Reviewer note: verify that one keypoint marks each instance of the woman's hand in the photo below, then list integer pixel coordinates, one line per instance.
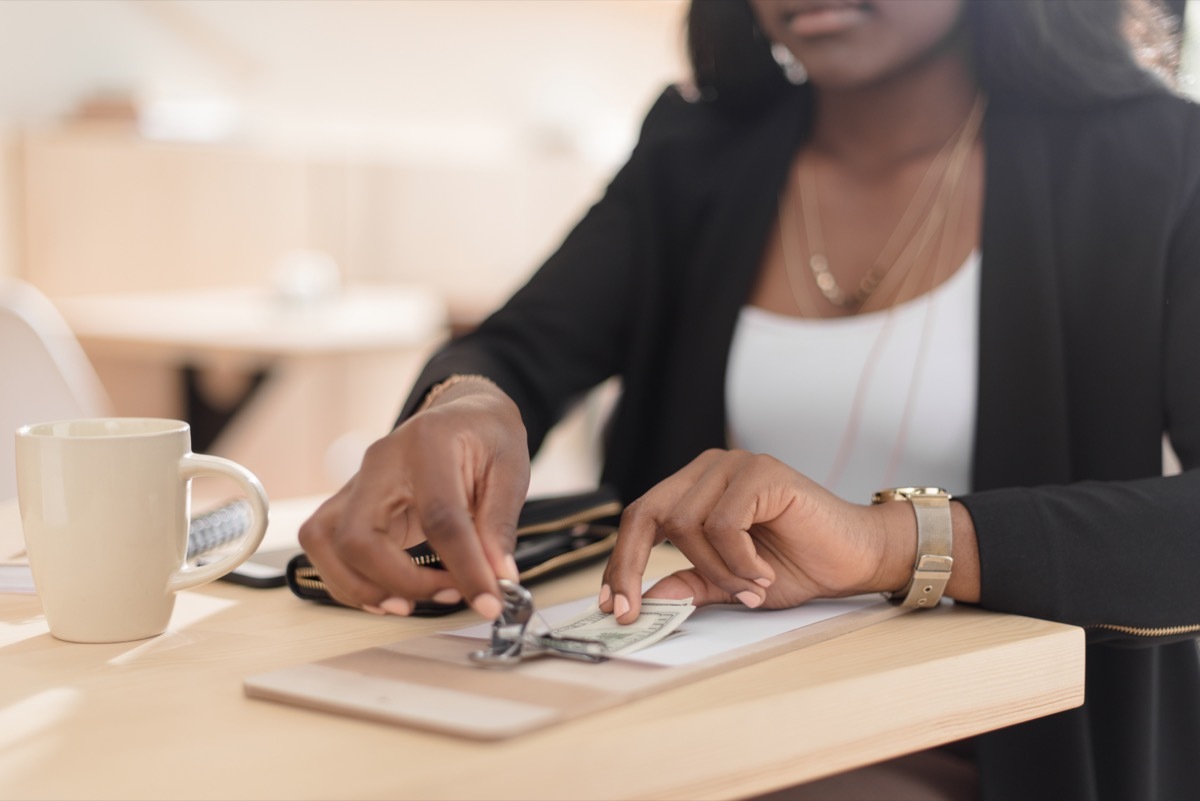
(456, 474)
(758, 533)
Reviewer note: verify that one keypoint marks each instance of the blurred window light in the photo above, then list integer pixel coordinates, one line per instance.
(205, 119)
(1189, 71)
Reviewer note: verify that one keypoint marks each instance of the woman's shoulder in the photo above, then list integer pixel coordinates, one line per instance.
(1161, 112)
(682, 115)
(1155, 136)
(692, 157)
(1155, 118)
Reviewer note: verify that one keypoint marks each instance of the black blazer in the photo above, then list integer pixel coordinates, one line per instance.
(1089, 351)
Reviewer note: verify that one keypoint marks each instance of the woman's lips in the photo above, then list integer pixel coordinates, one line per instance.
(826, 18)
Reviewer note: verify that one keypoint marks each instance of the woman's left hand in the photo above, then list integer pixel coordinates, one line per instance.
(758, 533)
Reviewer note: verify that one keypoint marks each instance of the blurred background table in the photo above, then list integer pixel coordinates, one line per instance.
(294, 390)
(257, 322)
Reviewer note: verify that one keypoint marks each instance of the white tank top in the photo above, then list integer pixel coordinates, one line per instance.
(863, 402)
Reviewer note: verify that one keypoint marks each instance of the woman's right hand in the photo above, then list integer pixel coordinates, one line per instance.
(455, 474)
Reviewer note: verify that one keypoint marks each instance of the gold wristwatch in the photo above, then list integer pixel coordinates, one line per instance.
(931, 571)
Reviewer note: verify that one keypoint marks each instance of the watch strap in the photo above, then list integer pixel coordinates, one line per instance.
(933, 564)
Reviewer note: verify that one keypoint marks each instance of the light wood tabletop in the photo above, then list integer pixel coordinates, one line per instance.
(166, 718)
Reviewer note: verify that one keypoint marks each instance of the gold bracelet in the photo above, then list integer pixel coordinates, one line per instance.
(438, 389)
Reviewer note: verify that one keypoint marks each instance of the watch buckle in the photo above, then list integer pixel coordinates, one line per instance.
(931, 566)
(929, 580)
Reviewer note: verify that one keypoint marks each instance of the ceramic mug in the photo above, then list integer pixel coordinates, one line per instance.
(105, 511)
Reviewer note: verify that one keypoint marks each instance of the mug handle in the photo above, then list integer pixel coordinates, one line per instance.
(196, 464)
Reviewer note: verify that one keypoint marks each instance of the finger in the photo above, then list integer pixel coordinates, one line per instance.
(500, 500)
(725, 556)
(366, 540)
(758, 494)
(639, 532)
(684, 584)
(376, 568)
(343, 583)
(443, 513)
(620, 593)
(729, 521)
(725, 553)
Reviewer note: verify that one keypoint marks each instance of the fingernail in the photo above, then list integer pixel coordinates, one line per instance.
(447, 596)
(749, 599)
(510, 568)
(763, 582)
(620, 606)
(374, 610)
(487, 605)
(397, 606)
(605, 594)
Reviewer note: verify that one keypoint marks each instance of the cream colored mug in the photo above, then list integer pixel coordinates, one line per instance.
(105, 511)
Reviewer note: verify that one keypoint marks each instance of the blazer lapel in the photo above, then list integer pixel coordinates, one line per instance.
(728, 262)
(1022, 435)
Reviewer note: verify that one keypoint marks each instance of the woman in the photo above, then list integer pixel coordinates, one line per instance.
(970, 224)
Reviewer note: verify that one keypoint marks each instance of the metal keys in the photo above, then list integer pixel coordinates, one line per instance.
(512, 641)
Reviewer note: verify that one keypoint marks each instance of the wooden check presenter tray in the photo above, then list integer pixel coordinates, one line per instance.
(428, 682)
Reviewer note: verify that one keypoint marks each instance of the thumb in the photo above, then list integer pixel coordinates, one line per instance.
(689, 584)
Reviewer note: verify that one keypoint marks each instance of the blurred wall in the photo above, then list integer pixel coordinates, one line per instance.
(9, 204)
(444, 141)
(1190, 57)
(157, 144)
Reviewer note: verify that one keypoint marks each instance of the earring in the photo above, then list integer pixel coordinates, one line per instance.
(793, 70)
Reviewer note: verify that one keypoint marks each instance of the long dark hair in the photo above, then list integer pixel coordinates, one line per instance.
(1064, 53)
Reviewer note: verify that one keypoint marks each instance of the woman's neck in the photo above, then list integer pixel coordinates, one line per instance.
(884, 126)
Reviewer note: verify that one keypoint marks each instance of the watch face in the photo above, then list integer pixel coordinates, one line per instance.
(908, 493)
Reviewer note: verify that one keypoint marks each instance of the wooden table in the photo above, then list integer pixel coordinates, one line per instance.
(166, 718)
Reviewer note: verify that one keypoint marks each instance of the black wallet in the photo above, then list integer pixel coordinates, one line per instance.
(555, 534)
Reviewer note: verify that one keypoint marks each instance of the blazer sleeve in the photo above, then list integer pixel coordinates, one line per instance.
(1121, 559)
(567, 329)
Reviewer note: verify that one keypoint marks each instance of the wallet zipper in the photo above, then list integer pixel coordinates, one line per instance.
(1171, 631)
(309, 577)
(426, 559)
(591, 549)
(582, 516)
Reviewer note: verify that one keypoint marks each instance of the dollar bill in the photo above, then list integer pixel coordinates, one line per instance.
(659, 618)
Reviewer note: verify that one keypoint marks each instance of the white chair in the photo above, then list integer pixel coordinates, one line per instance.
(44, 373)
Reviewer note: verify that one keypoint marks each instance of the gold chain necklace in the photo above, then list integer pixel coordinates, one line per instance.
(935, 233)
(950, 199)
(912, 227)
